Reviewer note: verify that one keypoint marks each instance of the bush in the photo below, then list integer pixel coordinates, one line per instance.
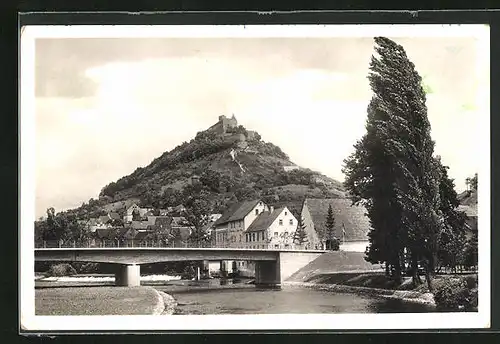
(456, 294)
(59, 270)
(188, 273)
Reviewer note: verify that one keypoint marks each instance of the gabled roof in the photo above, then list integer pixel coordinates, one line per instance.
(237, 212)
(264, 220)
(352, 217)
(139, 224)
(126, 232)
(114, 216)
(106, 233)
(163, 220)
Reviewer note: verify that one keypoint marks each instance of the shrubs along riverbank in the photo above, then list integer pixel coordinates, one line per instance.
(451, 292)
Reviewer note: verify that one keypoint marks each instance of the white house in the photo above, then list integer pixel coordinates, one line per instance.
(231, 226)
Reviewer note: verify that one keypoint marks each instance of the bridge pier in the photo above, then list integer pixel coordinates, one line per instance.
(128, 275)
(267, 274)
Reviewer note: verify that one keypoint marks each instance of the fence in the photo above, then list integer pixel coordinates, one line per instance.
(118, 243)
(142, 243)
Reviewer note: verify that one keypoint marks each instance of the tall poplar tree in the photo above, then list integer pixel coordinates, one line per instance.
(392, 171)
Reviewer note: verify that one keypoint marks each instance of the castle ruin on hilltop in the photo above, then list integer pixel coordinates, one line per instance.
(223, 124)
(225, 127)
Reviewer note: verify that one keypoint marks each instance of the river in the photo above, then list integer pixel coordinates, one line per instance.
(210, 297)
(249, 300)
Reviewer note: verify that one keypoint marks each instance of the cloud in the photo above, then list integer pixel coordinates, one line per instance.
(307, 96)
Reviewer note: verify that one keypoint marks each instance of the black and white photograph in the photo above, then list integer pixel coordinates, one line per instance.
(255, 177)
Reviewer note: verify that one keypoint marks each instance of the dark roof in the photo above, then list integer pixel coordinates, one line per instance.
(264, 220)
(352, 217)
(163, 220)
(236, 212)
(106, 233)
(126, 232)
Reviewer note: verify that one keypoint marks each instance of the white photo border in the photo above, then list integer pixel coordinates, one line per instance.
(400, 321)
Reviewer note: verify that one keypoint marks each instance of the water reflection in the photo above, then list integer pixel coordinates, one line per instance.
(246, 299)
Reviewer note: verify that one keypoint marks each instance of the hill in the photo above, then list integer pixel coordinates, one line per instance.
(228, 163)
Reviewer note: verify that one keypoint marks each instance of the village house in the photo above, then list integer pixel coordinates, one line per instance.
(231, 226)
(471, 219)
(104, 237)
(125, 236)
(273, 229)
(94, 224)
(351, 224)
(134, 210)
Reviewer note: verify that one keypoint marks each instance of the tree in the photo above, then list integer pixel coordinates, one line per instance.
(452, 236)
(300, 235)
(392, 171)
(330, 229)
(197, 214)
(136, 215)
(471, 252)
(473, 182)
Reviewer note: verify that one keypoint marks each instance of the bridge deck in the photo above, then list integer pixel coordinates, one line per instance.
(147, 255)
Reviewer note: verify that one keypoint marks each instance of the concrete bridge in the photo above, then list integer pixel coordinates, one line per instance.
(271, 266)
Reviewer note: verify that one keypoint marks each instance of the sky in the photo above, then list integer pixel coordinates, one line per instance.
(105, 106)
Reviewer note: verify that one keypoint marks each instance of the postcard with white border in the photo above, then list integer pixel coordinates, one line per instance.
(285, 177)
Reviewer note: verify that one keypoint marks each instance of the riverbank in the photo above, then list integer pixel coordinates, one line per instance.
(403, 295)
(104, 300)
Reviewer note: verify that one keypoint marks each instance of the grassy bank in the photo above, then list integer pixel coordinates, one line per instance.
(451, 292)
(97, 301)
(349, 272)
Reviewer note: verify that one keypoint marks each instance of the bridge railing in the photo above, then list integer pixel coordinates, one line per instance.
(109, 243)
(119, 243)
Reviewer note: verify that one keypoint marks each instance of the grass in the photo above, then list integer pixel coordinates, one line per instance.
(334, 263)
(96, 301)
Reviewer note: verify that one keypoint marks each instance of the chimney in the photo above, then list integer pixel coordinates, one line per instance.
(271, 208)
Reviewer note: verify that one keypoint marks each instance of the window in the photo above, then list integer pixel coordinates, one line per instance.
(291, 221)
(253, 236)
(256, 211)
(258, 235)
(276, 246)
(286, 213)
(281, 222)
(275, 234)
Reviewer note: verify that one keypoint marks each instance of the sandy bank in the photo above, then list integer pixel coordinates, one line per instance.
(98, 301)
(168, 302)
